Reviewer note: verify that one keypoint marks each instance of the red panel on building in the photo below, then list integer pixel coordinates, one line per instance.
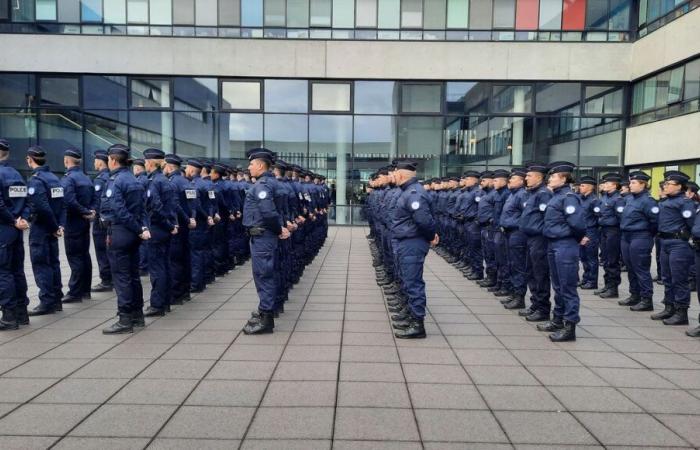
(574, 16)
(527, 14)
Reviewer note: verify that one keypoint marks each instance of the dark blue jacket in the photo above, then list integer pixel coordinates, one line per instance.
(487, 203)
(591, 210)
(676, 214)
(259, 209)
(564, 216)
(640, 213)
(412, 216)
(45, 196)
(13, 199)
(161, 203)
(532, 218)
(500, 196)
(513, 209)
(186, 205)
(122, 201)
(78, 194)
(99, 184)
(611, 206)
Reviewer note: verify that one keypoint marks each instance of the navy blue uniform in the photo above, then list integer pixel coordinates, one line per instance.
(473, 231)
(676, 219)
(589, 252)
(143, 251)
(413, 227)
(638, 223)
(532, 223)
(485, 218)
(99, 232)
(516, 240)
(122, 212)
(199, 240)
(78, 194)
(611, 206)
(500, 241)
(185, 208)
(45, 196)
(264, 224)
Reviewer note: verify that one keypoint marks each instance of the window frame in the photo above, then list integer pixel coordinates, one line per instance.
(310, 91)
(39, 97)
(261, 100)
(401, 84)
(171, 100)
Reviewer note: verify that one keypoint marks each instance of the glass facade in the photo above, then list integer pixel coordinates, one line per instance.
(653, 14)
(453, 20)
(342, 129)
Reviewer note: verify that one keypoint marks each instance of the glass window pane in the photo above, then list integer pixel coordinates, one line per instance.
(59, 129)
(320, 13)
(692, 80)
(512, 99)
(597, 14)
(366, 13)
(17, 90)
(102, 129)
(137, 11)
(504, 13)
(412, 14)
(330, 152)
(620, 14)
(662, 83)
(104, 92)
(675, 86)
(238, 133)
(375, 137)
(298, 13)
(161, 12)
(196, 135)
(19, 128)
(463, 96)
(550, 14)
(230, 12)
(147, 93)
(5, 9)
(604, 99)
(251, 13)
(286, 96)
(480, 15)
(649, 93)
(574, 16)
(419, 137)
(240, 95)
(510, 140)
(92, 11)
(115, 11)
(376, 97)
(457, 13)
(45, 9)
(59, 91)
(287, 133)
(23, 10)
(527, 16)
(205, 13)
(68, 11)
(199, 94)
(330, 96)
(421, 98)
(389, 13)
(434, 14)
(600, 148)
(557, 139)
(343, 13)
(150, 129)
(274, 13)
(559, 98)
(183, 12)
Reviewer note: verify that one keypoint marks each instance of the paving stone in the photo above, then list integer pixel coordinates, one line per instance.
(27, 442)
(375, 445)
(311, 353)
(373, 394)
(292, 423)
(40, 368)
(154, 392)
(459, 426)
(74, 390)
(208, 422)
(189, 444)
(664, 401)
(285, 444)
(177, 369)
(42, 420)
(17, 390)
(628, 429)
(523, 398)
(300, 393)
(359, 371)
(445, 396)
(484, 357)
(566, 376)
(371, 354)
(371, 424)
(603, 399)
(684, 425)
(124, 421)
(71, 443)
(502, 375)
(543, 428)
(632, 378)
(112, 368)
(545, 358)
(227, 393)
(306, 371)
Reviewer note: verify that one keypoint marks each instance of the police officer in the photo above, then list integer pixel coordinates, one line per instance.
(264, 225)
(564, 227)
(414, 229)
(611, 205)
(638, 223)
(13, 221)
(591, 241)
(516, 240)
(78, 193)
(123, 213)
(99, 233)
(532, 223)
(48, 215)
(485, 218)
(204, 219)
(473, 229)
(139, 170)
(695, 332)
(464, 214)
(500, 193)
(676, 219)
(162, 223)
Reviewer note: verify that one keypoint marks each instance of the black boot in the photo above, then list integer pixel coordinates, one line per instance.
(153, 312)
(680, 317)
(565, 334)
(9, 320)
(402, 315)
(645, 304)
(121, 326)
(632, 300)
(261, 323)
(42, 310)
(557, 323)
(694, 332)
(502, 293)
(610, 293)
(415, 330)
(516, 302)
(668, 311)
(538, 316)
(396, 309)
(22, 315)
(68, 298)
(102, 287)
(600, 291)
(588, 286)
(526, 312)
(137, 319)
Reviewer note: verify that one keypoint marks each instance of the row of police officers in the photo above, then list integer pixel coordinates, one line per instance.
(184, 222)
(534, 228)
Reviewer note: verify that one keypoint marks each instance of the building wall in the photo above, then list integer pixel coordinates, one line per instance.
(672, 139)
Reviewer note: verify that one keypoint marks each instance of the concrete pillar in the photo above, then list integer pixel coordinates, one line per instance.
(516, 150)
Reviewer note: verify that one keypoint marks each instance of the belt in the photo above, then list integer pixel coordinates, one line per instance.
(682, 235)
(256, 231)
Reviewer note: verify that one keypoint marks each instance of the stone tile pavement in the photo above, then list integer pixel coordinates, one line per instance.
(333, 376)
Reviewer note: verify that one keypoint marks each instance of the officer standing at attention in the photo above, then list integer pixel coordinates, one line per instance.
(413, 228)
(48, 214)
(676, 220)
(162, 223)
(500, 193)
(516, 240)
(13, 221)
(139, 168)
(611, 205)
(485, 218)
(203, 220)
(264, 225)
(122, 211)
(78, 197)
(564, 227)
(99, 233)
(591, 241)
(638, 223)
(695, 332)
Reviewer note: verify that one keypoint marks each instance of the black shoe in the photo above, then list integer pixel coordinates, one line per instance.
(143, 273)
(8, 320)
(565, 334)
(102, 287)
(505, 300)
(401, 324)
(667, 312)
(263, 323)
(71, 299)
(415, 330)
(153, 312)
(391, 291)
(600, 291)
(186, 297)
(121, 326)
(196, 290)
(526, 312)
(138, 320)
(396, 309)
(588, 286)
(474, 277)
(22, 315)
(551, 325)
(610, 293)
(632, 300)
(402, 315)
(645, 304)
(42, 310)
(502, 293)
(694, 332)
(679, 317)
(538, 316)
(515, 303)
(58, 306)
(176, 301)
(493, 289)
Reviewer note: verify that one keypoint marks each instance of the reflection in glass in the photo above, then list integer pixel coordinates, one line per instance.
(504, 13)
(230, 13)
(286, 96)
(287, 134)
(149, 93)
(511, 99)
(239, 132)
(183, 12)
(196, 94)
(102, 129)
(240, 95)
(411, 14)
(206, 13)
(330, 150)
(91, 10)
(151, 129)
(620, 14)
(692, 80)
(557, 139)
(480, 14)
(457, 13)
(68, 11)
(17, 90)
(320, 13)
(434, 15)
(251, 13)
(104, 92)
(375, 138)
(137, 11)
(45, 9)
(597, 14)
(389, 13)
(115, 11)
(510, 140)
(298, 13)
(343, 13)
(59, 129)
(559, 98)
(421, 138)
(604, 100)
(600, 147)
(456, 95)
(366, 13)
(274, 13)
(421, 98)
(161, 12)
(376, 97)
(330, 96)
(550, 14)
(62, 91)
(196, 134)
(19, 129)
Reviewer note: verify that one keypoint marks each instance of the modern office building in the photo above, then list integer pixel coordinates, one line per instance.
(344, 86)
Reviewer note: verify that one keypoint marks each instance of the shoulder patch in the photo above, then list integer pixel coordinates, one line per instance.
(477, 199)
(17, 191)
(98, 187)
(596, 209)
(654, 209)
(30, 191)
(415, 206)
(687, 213)
(57, 192)
(108, 193)
(543, 206)
(262, 195)
(620, 209)
(570, 209)
(148, 193)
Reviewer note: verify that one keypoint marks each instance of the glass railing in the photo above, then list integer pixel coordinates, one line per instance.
(347, 215)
